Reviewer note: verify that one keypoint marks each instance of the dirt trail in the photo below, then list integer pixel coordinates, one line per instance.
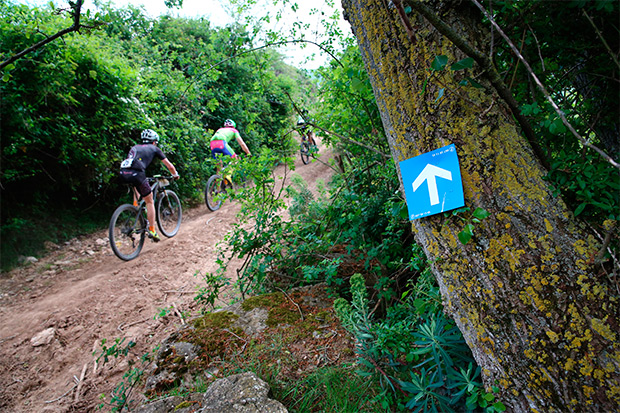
(86, 294)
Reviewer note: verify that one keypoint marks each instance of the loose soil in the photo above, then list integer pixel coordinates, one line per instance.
(86, 294)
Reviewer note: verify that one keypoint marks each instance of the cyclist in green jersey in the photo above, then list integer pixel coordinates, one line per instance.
(221, 138)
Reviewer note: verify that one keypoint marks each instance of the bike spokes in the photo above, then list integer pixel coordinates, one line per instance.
(127, 231)
(169, 214)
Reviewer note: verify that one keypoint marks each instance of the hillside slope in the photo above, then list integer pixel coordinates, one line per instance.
(82, 293)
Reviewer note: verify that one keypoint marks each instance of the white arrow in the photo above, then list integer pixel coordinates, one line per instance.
(429, 174)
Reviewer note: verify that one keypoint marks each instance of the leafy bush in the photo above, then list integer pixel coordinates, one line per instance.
(72, 109)
(415, 351)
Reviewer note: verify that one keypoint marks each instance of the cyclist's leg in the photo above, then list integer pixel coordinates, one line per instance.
(219, 149)
(311, 138)
(150, 215)
(136, 196)
(145, 191)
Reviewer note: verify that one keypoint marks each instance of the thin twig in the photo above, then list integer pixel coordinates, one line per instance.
(544, 91)
(58, 398)
(176, 310)
(95, 364)
(598, 33)
(79, 387)
(291, 300)
(245, 342)
(121, 325)
(7, 339)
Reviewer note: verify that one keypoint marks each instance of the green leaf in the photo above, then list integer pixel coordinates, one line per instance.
(466, 63)
(424, 87)
(440, 94)
(499, 406)
(557, 127)
(469, 80)
(357, 85)
(481, 213)
(580, 208)
(439, 63)
(464, 237)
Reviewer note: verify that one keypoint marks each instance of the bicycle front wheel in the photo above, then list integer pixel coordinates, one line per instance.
(305, 152)
(169, 213)
(127, 232)
(215, 190)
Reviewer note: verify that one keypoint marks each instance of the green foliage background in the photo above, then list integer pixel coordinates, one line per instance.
(71, 110)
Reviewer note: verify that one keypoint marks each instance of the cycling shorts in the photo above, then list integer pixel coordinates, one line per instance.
(137, 179)
(221, 148)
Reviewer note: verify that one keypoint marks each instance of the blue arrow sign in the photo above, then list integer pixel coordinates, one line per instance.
(432, 182)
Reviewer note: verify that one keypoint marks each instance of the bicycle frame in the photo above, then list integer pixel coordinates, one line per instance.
(156, 188)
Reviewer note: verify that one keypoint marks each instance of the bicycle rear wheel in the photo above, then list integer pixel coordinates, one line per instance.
(169, 213)
(127, 232)
(304, 151)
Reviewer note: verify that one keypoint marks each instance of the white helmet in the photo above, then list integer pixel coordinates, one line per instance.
(230, 122)
(149, 135)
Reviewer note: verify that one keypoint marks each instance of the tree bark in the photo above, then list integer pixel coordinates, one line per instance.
(540, 317)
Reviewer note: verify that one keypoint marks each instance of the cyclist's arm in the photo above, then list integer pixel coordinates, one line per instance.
(243, 145)
(170, 167)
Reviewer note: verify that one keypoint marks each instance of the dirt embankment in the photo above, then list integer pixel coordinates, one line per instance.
(81, 293)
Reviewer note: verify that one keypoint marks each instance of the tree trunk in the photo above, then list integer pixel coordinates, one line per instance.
(540, 317)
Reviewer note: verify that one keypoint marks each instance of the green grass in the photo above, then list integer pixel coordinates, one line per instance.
(329, 389)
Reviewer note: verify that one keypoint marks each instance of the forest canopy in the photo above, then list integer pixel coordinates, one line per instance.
(71, 109)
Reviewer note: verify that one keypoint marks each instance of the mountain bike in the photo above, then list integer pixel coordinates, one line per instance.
(129, 226)
(217, 185)
(308, 145)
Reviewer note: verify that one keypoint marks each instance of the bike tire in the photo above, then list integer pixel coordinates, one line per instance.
(169, 213)
(304, 151)
(127, 231)
(212, 192)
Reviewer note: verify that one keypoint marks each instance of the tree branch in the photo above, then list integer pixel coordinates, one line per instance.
(281, 43)
(600, 35)
(541, 87)
(492, 74)
(74, 28)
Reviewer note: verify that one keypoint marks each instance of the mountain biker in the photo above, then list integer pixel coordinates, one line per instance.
(302, 126)
(221, 138)
(133, 172)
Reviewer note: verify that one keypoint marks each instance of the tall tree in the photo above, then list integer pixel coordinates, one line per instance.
(538, 312)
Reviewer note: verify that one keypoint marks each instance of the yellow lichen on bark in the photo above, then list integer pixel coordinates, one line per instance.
(523, 290)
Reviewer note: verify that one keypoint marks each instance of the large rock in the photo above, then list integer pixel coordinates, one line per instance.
(241, 393)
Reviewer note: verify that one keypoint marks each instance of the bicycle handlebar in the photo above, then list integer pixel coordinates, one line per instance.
(155, 177)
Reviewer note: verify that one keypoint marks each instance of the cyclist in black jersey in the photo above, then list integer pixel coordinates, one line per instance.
(133, 172)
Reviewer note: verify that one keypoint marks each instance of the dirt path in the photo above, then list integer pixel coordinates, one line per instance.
(85, 294)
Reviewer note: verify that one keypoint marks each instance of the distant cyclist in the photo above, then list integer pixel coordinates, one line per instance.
(133, 172)
(303, 126)
(221, 138)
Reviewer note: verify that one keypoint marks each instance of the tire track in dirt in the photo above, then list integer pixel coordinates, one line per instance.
(85, 294)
